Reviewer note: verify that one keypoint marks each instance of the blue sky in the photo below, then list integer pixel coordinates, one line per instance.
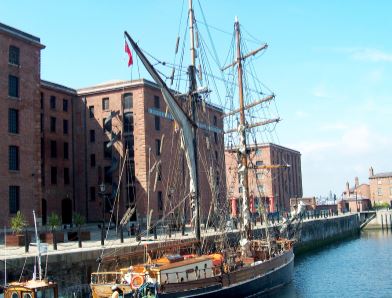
(328, 62)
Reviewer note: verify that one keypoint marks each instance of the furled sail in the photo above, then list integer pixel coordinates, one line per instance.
(177, 112)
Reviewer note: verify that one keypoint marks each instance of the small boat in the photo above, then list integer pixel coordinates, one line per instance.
(31, 289)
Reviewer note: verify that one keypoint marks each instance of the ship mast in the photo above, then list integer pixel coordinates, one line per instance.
(193, 97)
(243, 167)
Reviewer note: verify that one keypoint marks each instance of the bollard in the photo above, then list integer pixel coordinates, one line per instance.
(155, 233)
(121, 234)
(102, 236)
(79, 238)
(54, 241)
(27, 242)
(138, 236)
(183, 229)
(382, 223)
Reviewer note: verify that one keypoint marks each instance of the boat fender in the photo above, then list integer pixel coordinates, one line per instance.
(137, 281)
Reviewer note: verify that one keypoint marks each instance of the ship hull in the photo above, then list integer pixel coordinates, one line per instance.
(267, 279)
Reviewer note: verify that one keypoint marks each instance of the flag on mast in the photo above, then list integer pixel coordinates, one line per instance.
(128, 51)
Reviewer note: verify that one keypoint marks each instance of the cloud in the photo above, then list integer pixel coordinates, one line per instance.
(320, 91)
(372, 55)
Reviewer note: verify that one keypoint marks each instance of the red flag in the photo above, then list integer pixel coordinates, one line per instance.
(128, 51)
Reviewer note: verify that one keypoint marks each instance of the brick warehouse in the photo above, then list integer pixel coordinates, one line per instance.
(272, 187)
(59, 154)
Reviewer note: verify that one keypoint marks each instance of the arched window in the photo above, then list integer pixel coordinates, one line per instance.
(128, 122)
(128, 101)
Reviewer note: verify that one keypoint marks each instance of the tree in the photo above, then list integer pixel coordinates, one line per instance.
(18, 223)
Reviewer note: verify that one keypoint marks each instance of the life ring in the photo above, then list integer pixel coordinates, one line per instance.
(137, 281)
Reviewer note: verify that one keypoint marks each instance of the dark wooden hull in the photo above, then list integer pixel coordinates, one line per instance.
(241, 283)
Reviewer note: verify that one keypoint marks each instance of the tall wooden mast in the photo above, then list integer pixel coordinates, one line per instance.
(193, 97)
(243, 167)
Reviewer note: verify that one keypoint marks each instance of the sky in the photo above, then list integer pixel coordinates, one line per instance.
(328, 62)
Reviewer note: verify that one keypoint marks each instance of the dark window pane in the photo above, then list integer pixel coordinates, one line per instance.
(42, 100)
(52, 124)
(128, 122)
(13, 55)
(66, 176)
(13, 86)
(159, 172)
(91, 111)
(108, 175)
(53, 149)
(13, 158)
(92, 136)
(215, 120)
(92, 193)
(92, 160)
(129, 144)
(13, 121)
(53, 102)
(107, 152)
(128, 101)
(65, 126)
(160, 200)
(157, 123)
(53, 175)
(13, 197)
(42, 122)
(65, 105)
(157, 103)
(66, 150)
(158, 147)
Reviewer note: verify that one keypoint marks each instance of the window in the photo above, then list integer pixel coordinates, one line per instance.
(13, 158)
(52, 124)
(65, 126)
(53, 175)
(66, 155)
(216, 137)
(259, 176)
(107, 152)
(160, 200)
(92, 160)
(157, 103)
(129, 144)
(92, 136)
(260, 188)
(105, 103)
(215, 121)
(13, 196)
(107, 125)
(65, 105)
(157, 123)
(159, 172)
(128, 101)
(379, 191)
(216, 155)
(128, 122)
(259, 163)
(240, 189)
(379, 181)
(108, 175)
(92, 193)
(13, 55)
(13, 86)
(53, 102)
(66, 176)
(53, 149)
(13, 121)
(258, 152)
(157, 147)
(91, 111)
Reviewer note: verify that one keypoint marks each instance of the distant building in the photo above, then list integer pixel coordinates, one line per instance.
(380, 186)
(359, 191)
(272, 187)
(354, 205)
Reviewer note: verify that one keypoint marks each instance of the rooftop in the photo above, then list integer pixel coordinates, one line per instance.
(21, 35)
(382, 175)
(58, 87)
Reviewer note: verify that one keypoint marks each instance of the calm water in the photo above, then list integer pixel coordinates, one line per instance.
(360, 267)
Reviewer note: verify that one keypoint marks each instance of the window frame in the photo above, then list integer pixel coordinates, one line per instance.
(13, 158)
(13, 121)
(13, 86)
(14, 59)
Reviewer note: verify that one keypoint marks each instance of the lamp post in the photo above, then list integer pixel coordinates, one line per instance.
(102, 188)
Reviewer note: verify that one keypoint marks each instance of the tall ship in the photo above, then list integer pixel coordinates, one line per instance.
(219, 265)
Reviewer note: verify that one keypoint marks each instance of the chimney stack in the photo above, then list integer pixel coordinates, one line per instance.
(371, 172)
(347, 190)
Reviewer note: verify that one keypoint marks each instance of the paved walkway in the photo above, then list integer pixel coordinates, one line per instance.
(112, 241)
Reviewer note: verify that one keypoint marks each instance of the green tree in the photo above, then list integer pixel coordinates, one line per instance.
(18, 223)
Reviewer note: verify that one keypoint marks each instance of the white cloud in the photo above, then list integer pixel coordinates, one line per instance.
(373, 55)
(320, 91)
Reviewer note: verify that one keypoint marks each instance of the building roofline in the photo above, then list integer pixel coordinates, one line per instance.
(58, 87)
(261, 145)
(381, 175)
(21, 35)
(120, 85)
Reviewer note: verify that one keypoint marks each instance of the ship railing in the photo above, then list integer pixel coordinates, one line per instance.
(106, 277)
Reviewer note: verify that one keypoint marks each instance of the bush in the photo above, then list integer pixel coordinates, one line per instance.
(18, 223)
(78, 219)
(54, 221)
(381, 205)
